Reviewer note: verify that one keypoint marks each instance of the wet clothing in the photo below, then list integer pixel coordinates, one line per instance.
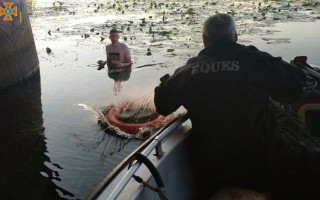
(226, 91)
(120, 74)
(117, 54)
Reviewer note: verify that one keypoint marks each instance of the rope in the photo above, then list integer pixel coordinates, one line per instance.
(159, 190)
(295, 120)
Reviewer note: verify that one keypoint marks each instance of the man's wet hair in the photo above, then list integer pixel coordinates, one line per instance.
(114, 31)
(219, 26)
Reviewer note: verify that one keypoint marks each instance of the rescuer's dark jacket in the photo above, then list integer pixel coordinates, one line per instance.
(226, 91)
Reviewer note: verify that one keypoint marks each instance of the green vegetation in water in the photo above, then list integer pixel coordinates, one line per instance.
(48, 50)
(164, 33)
(143, 22)
(232, 13)
(170, 50)
(311, 3)
(190, 11)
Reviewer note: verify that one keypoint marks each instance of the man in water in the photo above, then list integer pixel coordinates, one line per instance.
(235, 139)
(118, 54)
(119, 75)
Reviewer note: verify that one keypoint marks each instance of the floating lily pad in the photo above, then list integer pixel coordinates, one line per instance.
(170, 50)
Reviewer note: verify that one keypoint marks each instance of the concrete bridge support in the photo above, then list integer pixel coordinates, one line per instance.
(18, 55)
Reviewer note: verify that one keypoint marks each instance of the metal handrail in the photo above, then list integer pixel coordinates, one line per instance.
(124, 181)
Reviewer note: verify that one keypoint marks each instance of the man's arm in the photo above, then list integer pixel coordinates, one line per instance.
(101, 63)
(127, 57)
(171, 92)
(166, 96)
(127, 61)
(290, 84)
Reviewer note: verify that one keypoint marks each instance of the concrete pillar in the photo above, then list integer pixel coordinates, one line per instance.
(18, 55)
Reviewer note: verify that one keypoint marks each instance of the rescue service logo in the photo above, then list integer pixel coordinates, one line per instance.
(8, 11)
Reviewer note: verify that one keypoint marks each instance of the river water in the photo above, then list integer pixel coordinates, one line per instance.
(52, 146)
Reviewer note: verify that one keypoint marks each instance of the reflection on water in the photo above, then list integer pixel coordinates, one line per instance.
(23, 145)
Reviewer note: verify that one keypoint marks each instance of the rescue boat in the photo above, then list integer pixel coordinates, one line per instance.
(160, 169)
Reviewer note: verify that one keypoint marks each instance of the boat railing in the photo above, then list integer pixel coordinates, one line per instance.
(154, 142)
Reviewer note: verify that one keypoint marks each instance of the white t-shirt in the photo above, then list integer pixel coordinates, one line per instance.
(118, 53)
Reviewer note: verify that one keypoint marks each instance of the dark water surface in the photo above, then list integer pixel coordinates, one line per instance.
(51, 145)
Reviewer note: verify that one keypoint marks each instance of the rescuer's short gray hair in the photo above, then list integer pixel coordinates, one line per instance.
(239, 194)
(219, 26)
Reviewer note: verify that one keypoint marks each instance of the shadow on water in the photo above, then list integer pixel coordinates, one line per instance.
(24, 174)
(108, 141)
(110, 145)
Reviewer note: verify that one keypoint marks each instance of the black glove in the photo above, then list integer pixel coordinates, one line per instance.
(164, 78)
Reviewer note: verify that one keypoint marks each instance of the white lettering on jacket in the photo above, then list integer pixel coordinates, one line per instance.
(215, 67)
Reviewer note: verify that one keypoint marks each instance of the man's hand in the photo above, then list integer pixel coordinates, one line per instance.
(101, 63)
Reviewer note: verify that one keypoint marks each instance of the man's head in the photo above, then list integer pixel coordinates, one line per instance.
(217, 27)
(239, 194)
(114, 36)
